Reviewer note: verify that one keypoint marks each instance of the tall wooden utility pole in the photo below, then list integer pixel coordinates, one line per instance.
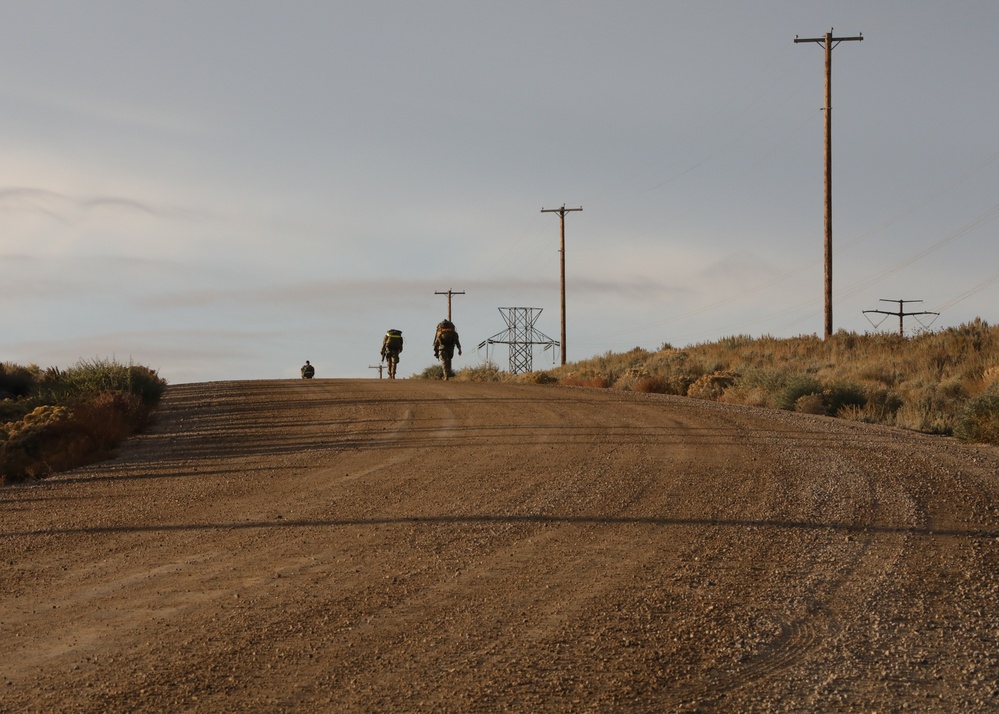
(561, 249)
(828, 40)
(449, 293)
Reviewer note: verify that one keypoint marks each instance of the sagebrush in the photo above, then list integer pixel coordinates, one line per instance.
(52, 420)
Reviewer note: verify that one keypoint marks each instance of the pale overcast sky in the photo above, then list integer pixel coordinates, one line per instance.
(222, 190)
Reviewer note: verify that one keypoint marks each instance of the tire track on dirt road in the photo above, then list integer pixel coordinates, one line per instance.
(366, 545)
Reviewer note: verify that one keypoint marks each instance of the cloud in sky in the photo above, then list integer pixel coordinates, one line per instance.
(223, 190)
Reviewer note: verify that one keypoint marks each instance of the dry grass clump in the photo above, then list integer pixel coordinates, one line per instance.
(485, 372)
(712, 386)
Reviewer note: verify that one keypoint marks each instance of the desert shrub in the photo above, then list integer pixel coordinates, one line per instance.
(64, 419)
(926, 410)
(485, 372)
(91, 377)
(711, 386)
(750, 395)
(765, 378)
(434, 371)
(879, 407)
(17, 381)
(796, 387)
(535, 378)
(111, 417)
(146, 384)
(43, 442)
(679, 382)
(810, 404)
(15, 409)
(878, 372)
(650, 385)
(843, 395)
(978, 421)
(54, 438)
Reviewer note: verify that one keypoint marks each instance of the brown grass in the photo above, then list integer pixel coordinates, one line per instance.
(922, 383)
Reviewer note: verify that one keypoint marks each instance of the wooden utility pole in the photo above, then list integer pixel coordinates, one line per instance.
(828, 41)
(449, 292)
(900, 313)
(561, 249)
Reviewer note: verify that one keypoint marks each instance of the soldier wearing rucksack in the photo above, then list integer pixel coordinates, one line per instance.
(391, 347)
(445, 342)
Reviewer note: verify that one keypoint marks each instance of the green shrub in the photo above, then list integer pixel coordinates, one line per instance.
(979, 419)
(843, 396)
(435, 371)
(801, 385)
(17, 381)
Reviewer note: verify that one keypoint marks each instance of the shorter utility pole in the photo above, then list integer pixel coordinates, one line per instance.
(561, 250)
(379, 367)
(449, 292)
(900, 314)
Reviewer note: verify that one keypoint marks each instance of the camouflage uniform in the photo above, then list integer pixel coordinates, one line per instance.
(391, 347)
(445, 341)
(308, 371)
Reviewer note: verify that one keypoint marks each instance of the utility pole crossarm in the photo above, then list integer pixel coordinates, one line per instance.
(449, 292)
(821, 40)
(901, 313)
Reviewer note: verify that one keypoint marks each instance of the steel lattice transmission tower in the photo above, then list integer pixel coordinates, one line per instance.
(521, 336)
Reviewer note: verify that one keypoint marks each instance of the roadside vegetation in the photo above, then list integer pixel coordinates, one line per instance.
(942, 382)
(53, 420)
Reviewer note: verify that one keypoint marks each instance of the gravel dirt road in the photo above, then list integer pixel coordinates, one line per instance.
(377, 545)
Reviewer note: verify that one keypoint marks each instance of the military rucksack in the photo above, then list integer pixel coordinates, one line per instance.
(393, 340)
(445, 332)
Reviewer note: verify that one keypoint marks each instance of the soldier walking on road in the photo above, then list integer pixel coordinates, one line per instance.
(445, 342)
(391, 347)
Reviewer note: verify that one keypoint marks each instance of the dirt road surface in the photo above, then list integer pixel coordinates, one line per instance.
(387, 546)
